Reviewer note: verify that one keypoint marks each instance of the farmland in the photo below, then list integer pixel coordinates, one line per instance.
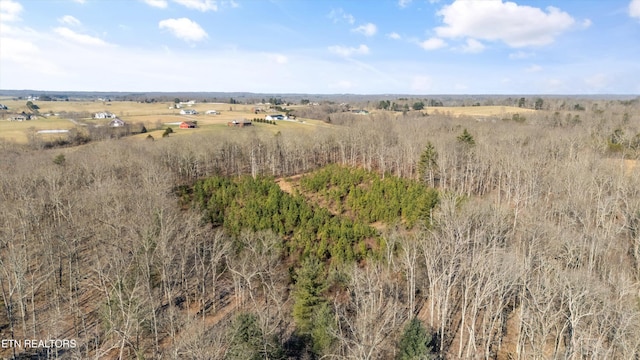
(153, 116)
(72, 114)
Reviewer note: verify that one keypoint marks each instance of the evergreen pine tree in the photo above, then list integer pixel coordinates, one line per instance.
(248, 341)
(428, 164)
(308, 293)
(414, 344)
(466, 138)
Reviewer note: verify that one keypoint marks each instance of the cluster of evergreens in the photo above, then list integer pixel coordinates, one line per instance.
(371, 198)
(261, 120)
(257, 204)
(316, 238)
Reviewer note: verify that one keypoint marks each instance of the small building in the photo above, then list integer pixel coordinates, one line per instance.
(239, 123)
(104, 115)
(19, 117)
(23, 116)
(276, 117)
(116, 123)
(188, 125)
(212, 112)
(3, 107)
(188, 112)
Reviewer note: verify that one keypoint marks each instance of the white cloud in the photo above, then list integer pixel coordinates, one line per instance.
(338, 15)
(533, 68)
(520, 55)
(28, 55)
(433, 44)
(349, 51)
(79, 38)
(200, 5)
(394, 36)
(634, 9)
(69, 20)
(494, 20)
(17, 49)
(162, 4)
(368, 29)
(404, 3)
(184, 29)
(472, 46)
(10, 10)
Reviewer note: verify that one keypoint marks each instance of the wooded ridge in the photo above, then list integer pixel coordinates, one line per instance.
(398, 236)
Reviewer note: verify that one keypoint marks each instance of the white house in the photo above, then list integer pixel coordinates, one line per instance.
(276, 117)
(19, 117)
(188, 112)
(104, 115)
(211, 112)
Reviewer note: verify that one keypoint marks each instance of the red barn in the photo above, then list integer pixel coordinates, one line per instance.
(187, 125)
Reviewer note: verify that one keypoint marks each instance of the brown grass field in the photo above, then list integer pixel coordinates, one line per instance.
(478, 111)
(159, 115)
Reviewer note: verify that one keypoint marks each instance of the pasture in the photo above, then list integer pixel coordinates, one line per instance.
(19, 131)
(155, 116)
(478, 111)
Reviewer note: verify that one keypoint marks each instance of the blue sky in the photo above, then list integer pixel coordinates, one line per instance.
(416, 47)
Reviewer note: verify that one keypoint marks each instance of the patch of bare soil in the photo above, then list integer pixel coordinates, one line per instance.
(286, 185)
(290, 184)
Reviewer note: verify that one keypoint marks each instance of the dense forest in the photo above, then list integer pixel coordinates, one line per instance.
(407, 236)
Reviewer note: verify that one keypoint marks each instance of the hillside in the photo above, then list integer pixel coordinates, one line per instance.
(487, 239)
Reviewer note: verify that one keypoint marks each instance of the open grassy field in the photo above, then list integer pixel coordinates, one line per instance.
(153, 116)
(18, 131)
(121, 108)
(481, 111)
(160, 115)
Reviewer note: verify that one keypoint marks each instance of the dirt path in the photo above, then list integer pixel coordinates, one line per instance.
(286, 185)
